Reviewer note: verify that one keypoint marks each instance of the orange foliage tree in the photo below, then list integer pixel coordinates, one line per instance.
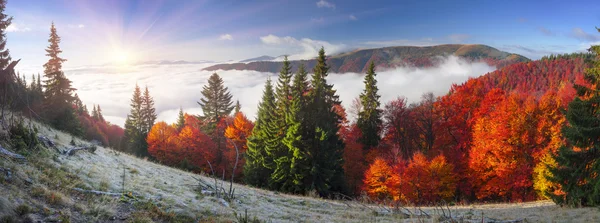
(237, 133)
(162, 143)
(377, 180)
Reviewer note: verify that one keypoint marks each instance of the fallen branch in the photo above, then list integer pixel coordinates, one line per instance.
(9, 154)
(72, 151)
(46, 141)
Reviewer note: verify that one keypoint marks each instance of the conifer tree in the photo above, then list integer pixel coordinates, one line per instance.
(325, 148)
(5, 21)
(148, 112)
(258, 167)
(277, 127)
(58, 98)
(100, 116)
(94, 112)
(293, 166)
(369, 118)
(134, 139)
(215, 102)
(578, 161)
(180, 119)
(238, 106)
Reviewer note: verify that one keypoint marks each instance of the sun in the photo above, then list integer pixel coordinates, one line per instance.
(122, 56)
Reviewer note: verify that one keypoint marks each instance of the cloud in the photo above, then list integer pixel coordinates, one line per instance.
(226, 37)
(15, 28)
(458, 38)
(578, 33)
(546, 32)
(352, 17)
(173, 86)
(325, 4)
(80, 26)
(304, 48)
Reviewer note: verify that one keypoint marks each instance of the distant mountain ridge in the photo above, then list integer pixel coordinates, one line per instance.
(389, 57)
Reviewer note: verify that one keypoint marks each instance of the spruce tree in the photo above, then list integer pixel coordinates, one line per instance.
(5, 21)
(180, 119)
(94, 112)
(216, 101)
(325, 148)
(100, 116)
(238, 107)
(578, 161)
(258, 167)
(134, 139)
(58, 98)
(295, 168)
(279, 126)
(148, 112)
(369, 118)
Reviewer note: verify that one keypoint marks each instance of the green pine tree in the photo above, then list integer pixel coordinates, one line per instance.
(94, 112)
(134, 137)
(294, 166)
(215, 102)
(258, 167)
(238, 107)
(180, 119)
(5, 21)
(577, 169)
(148, 112)
(369, 118)
(100, 116)
(279, 126)
(58, 94)
(325, 146)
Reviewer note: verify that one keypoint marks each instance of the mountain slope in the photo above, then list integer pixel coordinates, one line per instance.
(156, 193)
(389, 57)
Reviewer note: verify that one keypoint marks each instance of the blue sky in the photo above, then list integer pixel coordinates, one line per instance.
(96, 32)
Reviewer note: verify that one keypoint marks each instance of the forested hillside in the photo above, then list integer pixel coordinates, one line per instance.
(389, 57)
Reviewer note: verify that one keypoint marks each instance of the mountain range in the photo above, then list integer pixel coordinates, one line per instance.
(357, 61)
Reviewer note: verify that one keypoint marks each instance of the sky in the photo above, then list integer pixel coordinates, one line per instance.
(102, 41)
(97, 32)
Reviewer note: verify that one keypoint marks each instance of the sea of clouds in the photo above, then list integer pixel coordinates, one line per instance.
(175, 86)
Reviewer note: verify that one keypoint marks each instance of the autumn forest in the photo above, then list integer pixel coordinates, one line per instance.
(510, 135)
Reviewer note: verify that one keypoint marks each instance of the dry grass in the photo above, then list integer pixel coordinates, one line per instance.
(167, 194)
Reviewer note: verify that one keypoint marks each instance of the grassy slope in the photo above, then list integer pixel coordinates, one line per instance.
(167, 194)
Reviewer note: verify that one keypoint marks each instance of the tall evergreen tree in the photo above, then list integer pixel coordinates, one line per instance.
(294, 167)
(5, 21)
(325, 146)
(578, 161)
(215, 102)
(180, 119)
(94, 112)
(258, 166)
(369, 118)
(134, 138)
(58, 98)
(148, 112)
(279, 126)
(100, 116)
(238, 107)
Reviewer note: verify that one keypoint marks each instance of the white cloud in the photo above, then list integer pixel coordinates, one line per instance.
(226, 37)
(582, 35)
(305, 48)
(325, 4)
(458, 38)
(173, 86)
(80, 26)
(15, 28)
(352, 17)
